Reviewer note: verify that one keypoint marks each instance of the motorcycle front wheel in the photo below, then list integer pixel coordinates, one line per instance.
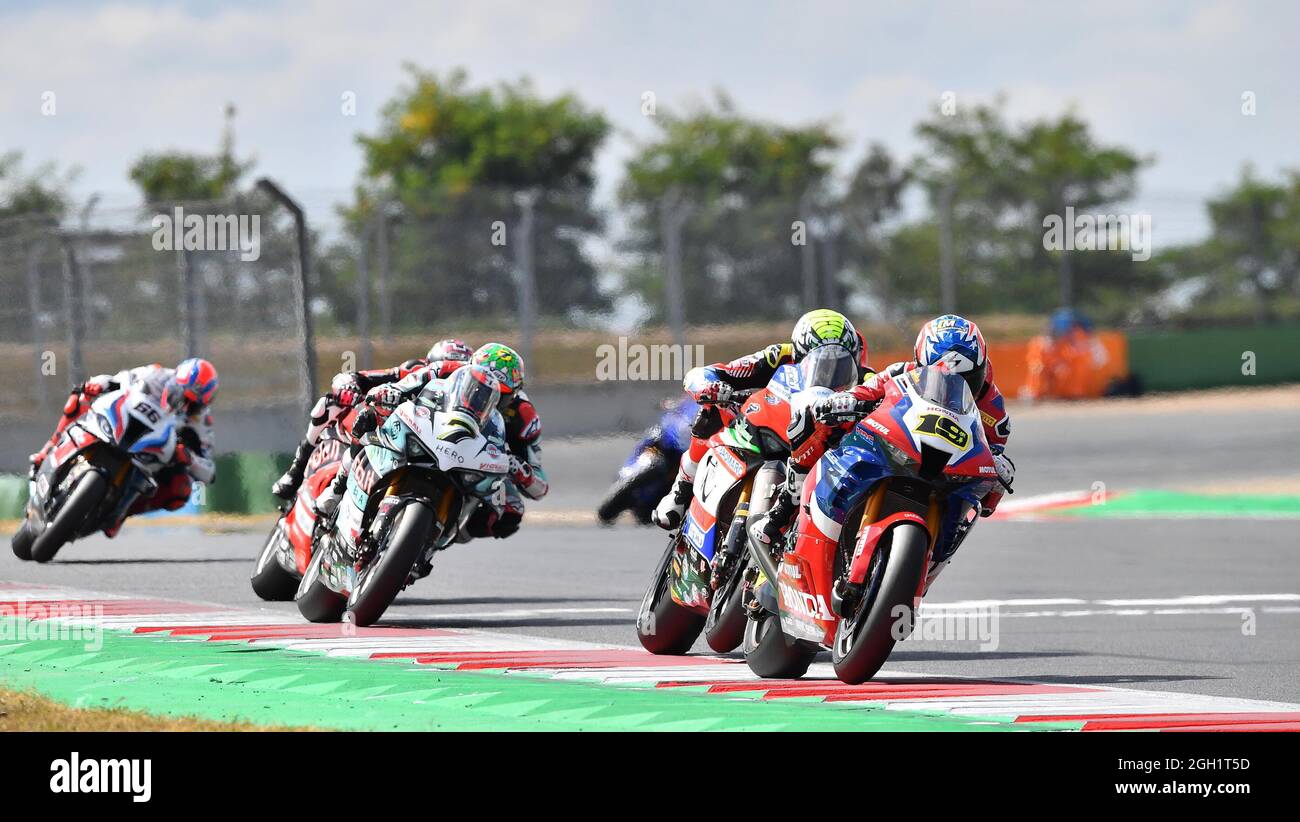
(864, 640)
(82, 501)
(724, 627)
(383, 579)
(624, 493)
(663, 626)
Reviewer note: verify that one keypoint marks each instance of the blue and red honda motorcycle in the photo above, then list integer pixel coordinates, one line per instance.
(882, 514)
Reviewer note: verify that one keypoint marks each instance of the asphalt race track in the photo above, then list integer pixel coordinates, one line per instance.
(1156, 604)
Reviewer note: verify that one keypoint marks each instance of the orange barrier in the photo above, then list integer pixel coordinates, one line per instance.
(1012, 371)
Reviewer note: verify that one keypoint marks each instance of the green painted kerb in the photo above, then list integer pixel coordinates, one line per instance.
(236, 681)
(1158, 504)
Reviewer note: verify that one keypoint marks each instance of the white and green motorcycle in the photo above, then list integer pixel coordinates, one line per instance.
(411, 490)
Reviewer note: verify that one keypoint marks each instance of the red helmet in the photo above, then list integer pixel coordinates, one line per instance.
(193, 386)
(450, 349)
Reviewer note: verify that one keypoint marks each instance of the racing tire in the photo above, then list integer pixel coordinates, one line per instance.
(21, 542)
(773, 655)
(269, 579)
(316, 601)
(84, 498)
(724, 626)
(864, 641)
(384, 578)
(663, 626)
(622, 495)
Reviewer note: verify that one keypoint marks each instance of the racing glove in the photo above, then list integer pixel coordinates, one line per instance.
(386, 396)
(366, 420)
(840, 407)
(1006, 470)
(521, 472)
(714, 392)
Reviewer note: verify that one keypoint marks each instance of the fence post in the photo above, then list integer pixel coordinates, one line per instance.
(363, 296)
(947, 263)
(34, 309)
(527, 278)
(301, 293)
(189, 302)
(385, 298)
(807, 254)
(672, 217)
(75, 311)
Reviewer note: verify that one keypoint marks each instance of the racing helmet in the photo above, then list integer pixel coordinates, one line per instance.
(824, 327)
(450, 349)
(504, 362)
(473, 391)
(957, 343)
(192, 387)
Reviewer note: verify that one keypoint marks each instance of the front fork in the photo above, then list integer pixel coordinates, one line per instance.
(734, 542)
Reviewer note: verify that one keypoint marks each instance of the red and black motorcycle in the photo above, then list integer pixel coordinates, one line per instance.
(287, 551)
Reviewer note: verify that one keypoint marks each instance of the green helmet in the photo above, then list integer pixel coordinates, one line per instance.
(504, 362)
(823, 327)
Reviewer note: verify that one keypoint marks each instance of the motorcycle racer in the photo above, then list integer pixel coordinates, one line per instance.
(349, 388)
(187, 391)
(948, 340)
(713, 384)
(522, 434)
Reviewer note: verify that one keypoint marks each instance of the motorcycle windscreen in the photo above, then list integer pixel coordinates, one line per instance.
(473, 391)
(829, 366)
(942, 387)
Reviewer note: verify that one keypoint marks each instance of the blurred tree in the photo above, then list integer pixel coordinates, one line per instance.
(178, 176)
(874, 197)
(999, 182)
(447, 160)
(738, 185)
(42, 191)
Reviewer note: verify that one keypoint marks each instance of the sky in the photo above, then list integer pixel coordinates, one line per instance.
(1163, 78)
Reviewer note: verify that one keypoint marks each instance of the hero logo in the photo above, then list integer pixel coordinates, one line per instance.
(807, 605)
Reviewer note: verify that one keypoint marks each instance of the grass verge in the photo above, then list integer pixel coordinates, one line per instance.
(28, 711)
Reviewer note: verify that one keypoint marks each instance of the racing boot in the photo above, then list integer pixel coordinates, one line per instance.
(287, 485)
(771, 529)
(329, 498)
(668, 513)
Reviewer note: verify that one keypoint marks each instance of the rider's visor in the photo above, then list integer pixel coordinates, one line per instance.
(829, 366)
(936, 384)
(473, 391)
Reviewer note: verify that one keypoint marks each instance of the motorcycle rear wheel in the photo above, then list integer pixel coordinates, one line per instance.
(21, 542)
(269, 579)
(82, 501)
(316, 601)
(383, 579)
(663, 626)
(773, 655)
(864, 641)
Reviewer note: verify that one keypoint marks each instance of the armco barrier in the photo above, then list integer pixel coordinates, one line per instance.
(1214, 357)
(243, 483)
(13, 496)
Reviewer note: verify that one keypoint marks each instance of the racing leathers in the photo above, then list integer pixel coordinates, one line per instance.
(347, 389)
(712, 386)
(522, 435)
(191, 460)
